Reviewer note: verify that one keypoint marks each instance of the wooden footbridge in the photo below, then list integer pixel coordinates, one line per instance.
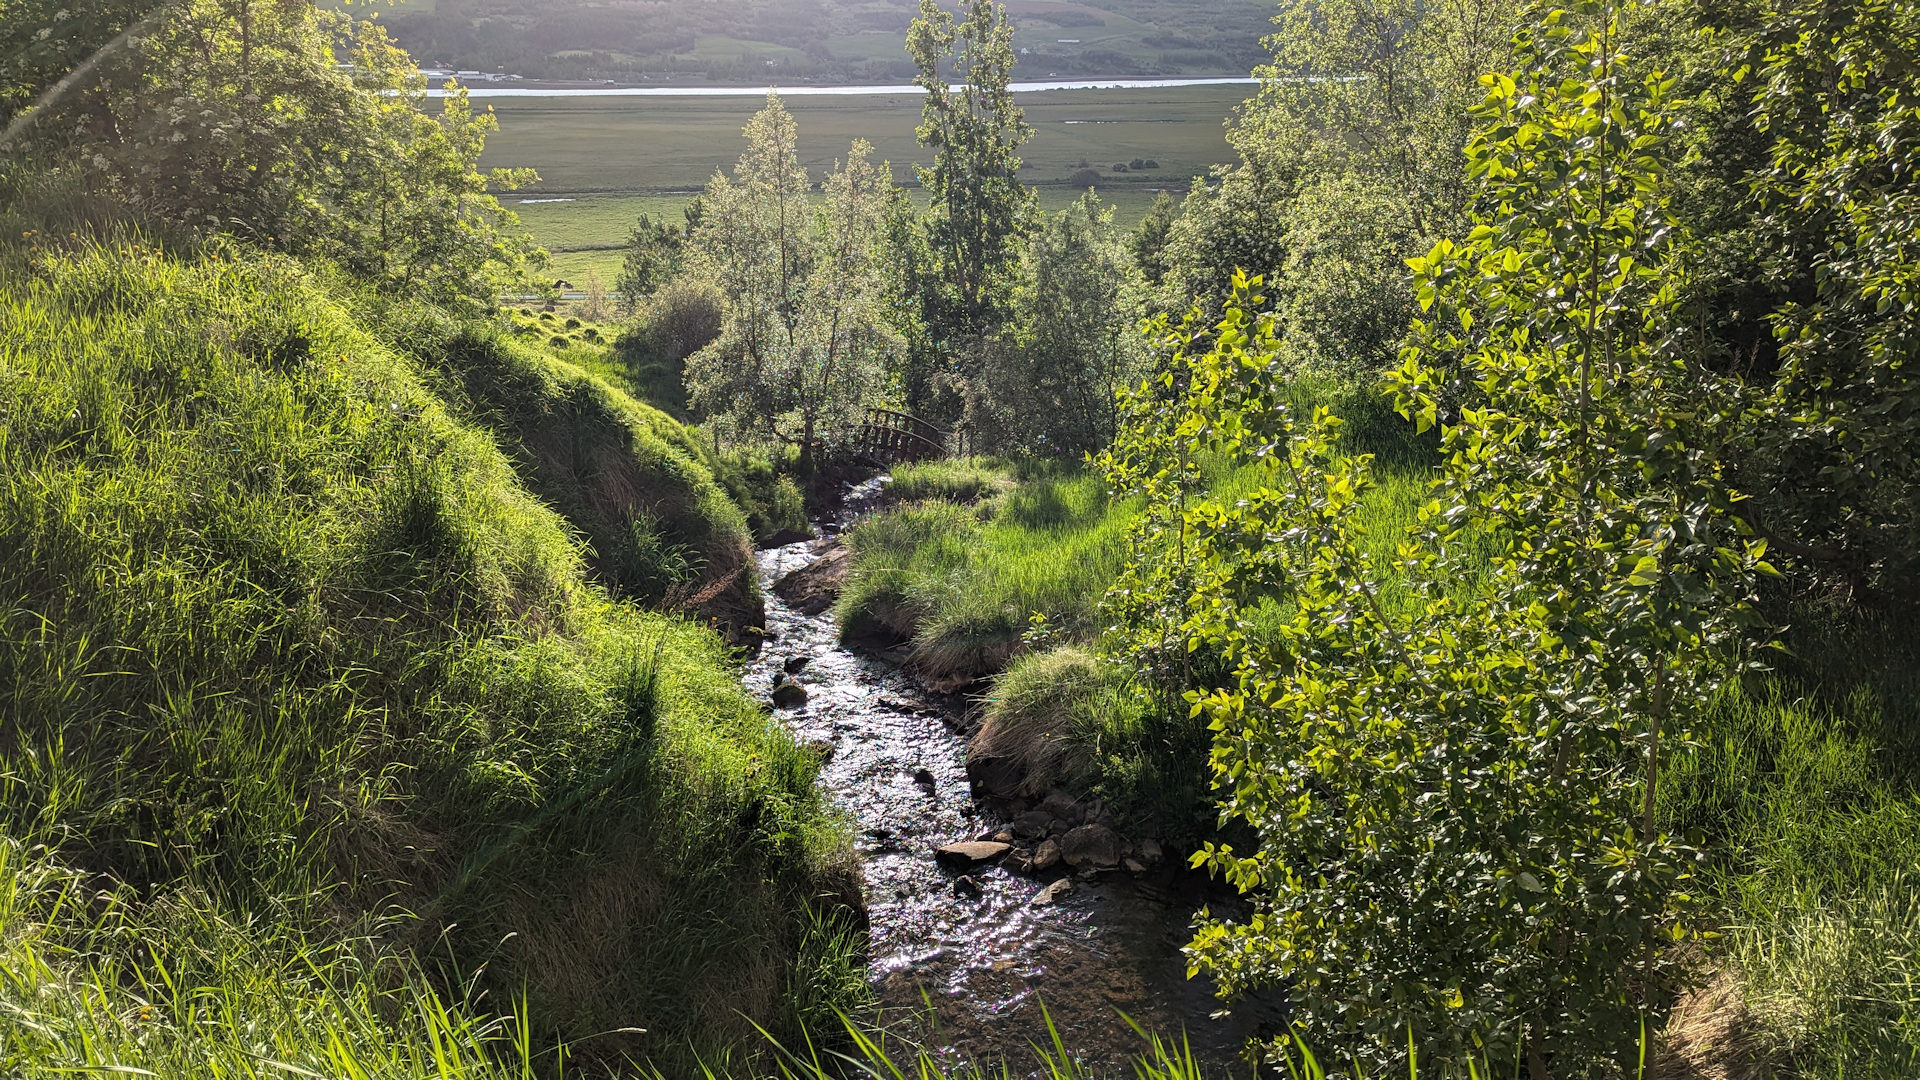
(889, 437)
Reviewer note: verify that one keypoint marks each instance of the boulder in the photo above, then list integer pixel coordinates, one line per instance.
(1134, 866)
(1018, 861)
(1054, 893)
(996, 775)
(1046, 856)
(1091, 847)
(1063, 806)
(814, 587)
(1032, 825)
(789, 696)
(923, 776)
(796, 664)
(783, 537)
(971, 853)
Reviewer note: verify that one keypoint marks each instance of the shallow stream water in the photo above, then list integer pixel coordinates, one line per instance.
(980, 967)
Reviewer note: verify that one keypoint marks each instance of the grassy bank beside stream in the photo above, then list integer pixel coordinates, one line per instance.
(324, 747)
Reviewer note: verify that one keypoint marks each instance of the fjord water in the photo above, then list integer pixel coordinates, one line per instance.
(980, 967)
(490, 90)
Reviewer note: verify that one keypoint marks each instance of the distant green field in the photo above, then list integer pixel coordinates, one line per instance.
(654, 145)
(586, 232)
(617, 158)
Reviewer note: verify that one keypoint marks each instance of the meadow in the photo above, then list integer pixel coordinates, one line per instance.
(617, 158)
(587, 234)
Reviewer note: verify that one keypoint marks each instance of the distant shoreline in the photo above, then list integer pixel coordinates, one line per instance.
(828, 91)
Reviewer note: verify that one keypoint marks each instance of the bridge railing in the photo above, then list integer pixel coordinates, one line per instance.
(890, 435)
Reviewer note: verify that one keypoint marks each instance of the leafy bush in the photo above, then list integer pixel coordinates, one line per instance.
(1458, 851)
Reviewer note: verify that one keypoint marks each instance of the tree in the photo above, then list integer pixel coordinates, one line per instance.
(804, 337)
(239, 117)
(49, 42)
(1364, 106)
(1343, 297)
(1452, 766)
(979, 207)
(652, 259)
(1833, 439)
(1147, 243)
(1071, 344)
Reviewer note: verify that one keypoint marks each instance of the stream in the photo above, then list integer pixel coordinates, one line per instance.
(972, 971)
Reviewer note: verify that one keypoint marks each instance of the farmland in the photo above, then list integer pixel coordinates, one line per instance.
(618, 157)
(816, 41)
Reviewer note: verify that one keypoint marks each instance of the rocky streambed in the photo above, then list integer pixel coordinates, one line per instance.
(983, 911)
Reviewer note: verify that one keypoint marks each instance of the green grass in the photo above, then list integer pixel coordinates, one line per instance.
(287, 643)
(632, 480)
(1803, 786)
(962, 480)
(655, 146)
(105, 983)
(962, 582)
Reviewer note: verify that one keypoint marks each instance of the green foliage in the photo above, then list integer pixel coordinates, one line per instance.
(1837, 428)
(295, 129)
(679, 319)
(979, 207)
(44, 42)
(803, 340)
(283, 630)
(1454, 787)
(1343, 297)
(1147, 243)
(652, 259)
(1377, 89)
(1350, 161)
(1047, 385)
(1231, 221)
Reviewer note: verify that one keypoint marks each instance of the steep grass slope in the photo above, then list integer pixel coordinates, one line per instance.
(281, 630)
(632, 480)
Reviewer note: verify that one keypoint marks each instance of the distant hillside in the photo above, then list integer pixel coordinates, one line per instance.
(802, 41)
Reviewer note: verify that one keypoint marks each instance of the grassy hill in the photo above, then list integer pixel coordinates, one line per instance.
(313, 699)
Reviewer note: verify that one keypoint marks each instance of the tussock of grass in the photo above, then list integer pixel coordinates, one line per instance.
(280, 628)
(960, 480)
(1048, 711)
(963, 587)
